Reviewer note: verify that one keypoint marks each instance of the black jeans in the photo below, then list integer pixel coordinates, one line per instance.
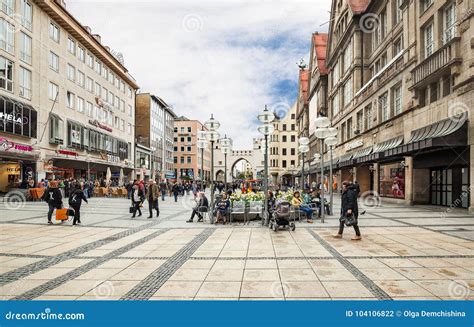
(196, 213)
(341, 228)
(153, 205)
(136, 207)
(77, 214)
(50, 211)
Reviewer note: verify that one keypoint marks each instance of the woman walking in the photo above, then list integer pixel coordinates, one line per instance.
(349, 207)
(54, 198)
(75, 201)
(137, 200)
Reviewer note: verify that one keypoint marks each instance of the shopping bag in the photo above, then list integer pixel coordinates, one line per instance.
(131, 209)
(70, 212)
(61, 214)
(349, 220)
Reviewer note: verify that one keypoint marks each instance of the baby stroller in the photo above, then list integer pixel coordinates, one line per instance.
(281, 217)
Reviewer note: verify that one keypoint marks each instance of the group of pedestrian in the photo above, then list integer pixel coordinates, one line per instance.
(139, 193)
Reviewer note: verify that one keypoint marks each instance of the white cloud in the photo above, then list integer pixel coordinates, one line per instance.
(206, 57)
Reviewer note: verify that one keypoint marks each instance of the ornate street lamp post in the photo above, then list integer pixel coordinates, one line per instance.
(202, 144)
(266, 118)
(212, 135)
(303, 148)
(226, 148)
(322, 132)
(331, 141)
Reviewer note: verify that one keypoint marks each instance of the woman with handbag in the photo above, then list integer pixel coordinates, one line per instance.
(75, 201)
(137, 200)
(349, 210)
(54, 198)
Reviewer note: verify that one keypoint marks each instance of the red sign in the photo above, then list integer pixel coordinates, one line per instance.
(96, 123)
(6, 145)
(68, 153)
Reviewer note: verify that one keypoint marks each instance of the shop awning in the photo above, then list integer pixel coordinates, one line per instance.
(449, 132)
(379, 148)
(362, 152)
(346, 160)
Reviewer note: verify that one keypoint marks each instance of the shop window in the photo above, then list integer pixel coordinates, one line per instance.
(392, 181)
(74, 132)
(6, 74)
(56, 130)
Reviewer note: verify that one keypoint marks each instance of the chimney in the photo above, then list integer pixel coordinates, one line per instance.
(97, 37)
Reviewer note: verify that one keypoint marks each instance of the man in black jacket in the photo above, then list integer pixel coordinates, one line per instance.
(54, 199)
(348, 207)
(202, 206)
(75, 201)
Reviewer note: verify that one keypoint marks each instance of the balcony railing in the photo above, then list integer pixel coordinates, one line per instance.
(441, 58)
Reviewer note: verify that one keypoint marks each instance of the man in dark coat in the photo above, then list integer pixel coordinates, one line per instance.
(75, 201)
(54, 198)
(152, 195)
(348, 207)
(202, 206)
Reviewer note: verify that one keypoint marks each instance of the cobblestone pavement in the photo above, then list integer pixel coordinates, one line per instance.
(419, 252)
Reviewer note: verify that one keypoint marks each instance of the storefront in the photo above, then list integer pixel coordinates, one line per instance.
(17, 158)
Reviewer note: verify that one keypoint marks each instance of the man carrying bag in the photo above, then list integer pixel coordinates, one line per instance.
(75, 201)
(349, 210)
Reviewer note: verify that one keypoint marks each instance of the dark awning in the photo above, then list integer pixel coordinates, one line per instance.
(449, 132)
(379, 148)
(345, 160)
(362, 152)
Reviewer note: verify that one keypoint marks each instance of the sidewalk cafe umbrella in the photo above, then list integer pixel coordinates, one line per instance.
(108, 175)
(120, 181)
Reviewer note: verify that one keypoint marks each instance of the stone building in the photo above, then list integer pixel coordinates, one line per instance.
(283, 148)
(67, 102)
(186, 155)
(154, 125)
(400, 92)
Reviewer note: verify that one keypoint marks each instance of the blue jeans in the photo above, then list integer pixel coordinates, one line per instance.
(163, 196)
(307, 210)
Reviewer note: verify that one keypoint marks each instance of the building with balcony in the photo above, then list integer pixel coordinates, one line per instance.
(67, 102)
(154, 124)
(400, 92)
(187, 157)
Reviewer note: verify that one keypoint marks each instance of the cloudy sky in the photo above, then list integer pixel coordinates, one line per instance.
(227, 57)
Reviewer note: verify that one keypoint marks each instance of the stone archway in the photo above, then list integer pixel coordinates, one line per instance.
(220, 175)
(243, 172)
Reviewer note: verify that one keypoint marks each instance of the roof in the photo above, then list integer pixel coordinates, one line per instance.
(304, 76)
(358, 6)
(320, 42)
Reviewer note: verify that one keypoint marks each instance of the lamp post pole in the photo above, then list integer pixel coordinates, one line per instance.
(322, 181)
(225, 170)
(212, 125)
(212, 181)
(265, 181)
(202, 169)
(330, 180)
(302, 171)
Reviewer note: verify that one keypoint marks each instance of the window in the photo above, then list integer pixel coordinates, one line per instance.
(81, 78)
(335, 104)
(449, 22)
(89, 109)
(111, 78)
(181, 160)
(130, 110)
(7, 36)
(384, 109)
(397, 99)
(74, 132)
(98, 89)
(343, 132)
(81, 53)
(392, 181)
(284, 152)
(6, 74)
(293, 138)
(80, 105)
(25, 52)
(336, 74)
(429, 41)
(360, 121)
(284, 127)
(105, 94)
(26, 15)
(129, 129)
(25, 83)
(89, 84)
(53, 61)
(71, 73)
(71, 45)
(368, 117)
(293, 127)
(105, 73)
(397, 12)
(54, 32)
(116, 122)
(284, 138)
(122, 105)
(349, 128)
(117, 102)
(98, 67)
(175, 160)
(397, 46)
(8, 7)
(293, 151)
(56, 129)
(348, 92)
(122, 125)
(53, 91)
(70, 99)
(129, 92)
(283, 163)
(188, 138)
(347, 57)
(189, 160)
(90, 60)
(189, 129)
(426, 4)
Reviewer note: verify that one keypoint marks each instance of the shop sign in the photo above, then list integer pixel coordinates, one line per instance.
(112, 158)
(102, 104)
(96, 123)
(67, 152)
(13, 118)
(353, 145)
(6, 145)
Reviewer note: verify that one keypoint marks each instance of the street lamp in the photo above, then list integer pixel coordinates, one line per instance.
(266, 118)
(331, 141)
(323, 132)
(212, 135)
(202, 144)
(303, 148)
(226, 148)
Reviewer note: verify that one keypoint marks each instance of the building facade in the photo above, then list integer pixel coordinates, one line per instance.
(187, 156)
(283, 149)
(400, 92)
(66, 100)
(154, 124)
